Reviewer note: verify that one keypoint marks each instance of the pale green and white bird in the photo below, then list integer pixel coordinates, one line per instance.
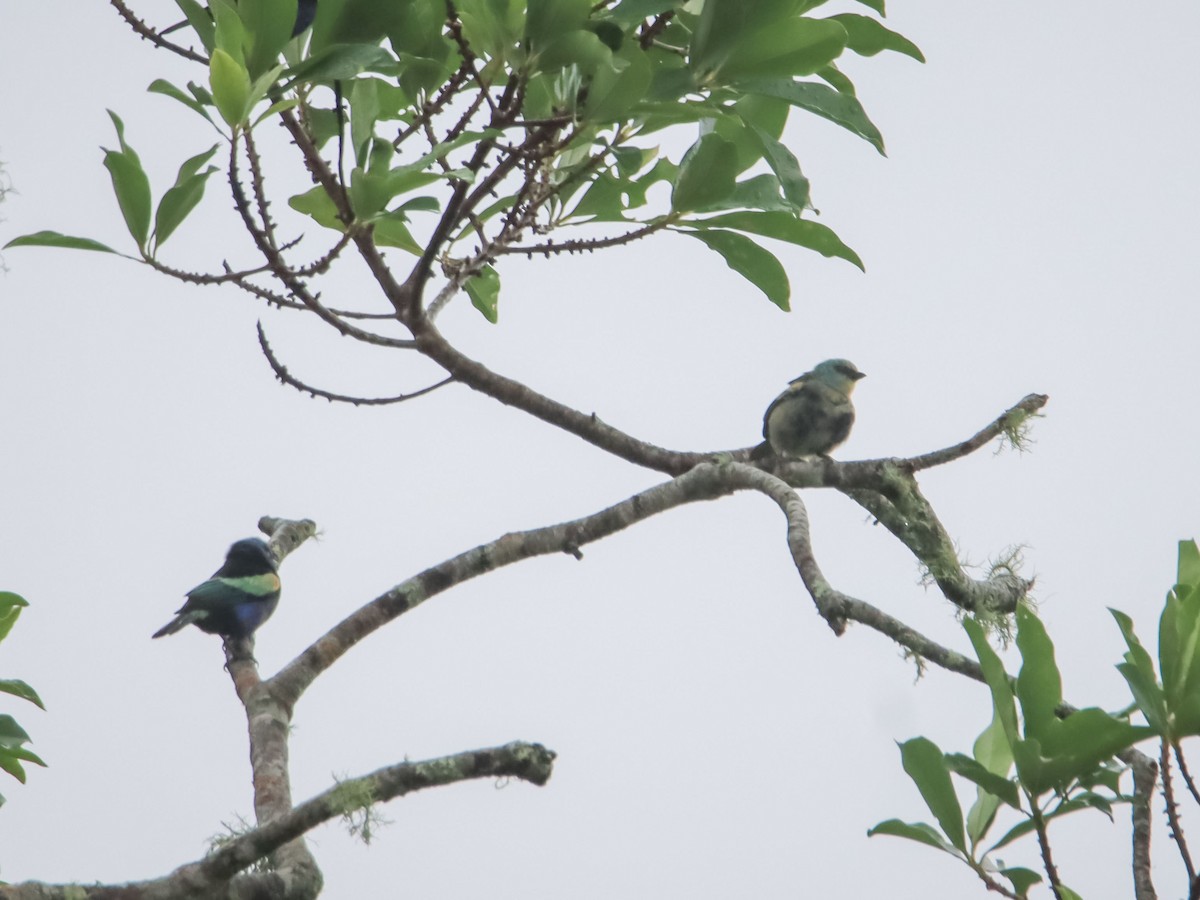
(814, 415)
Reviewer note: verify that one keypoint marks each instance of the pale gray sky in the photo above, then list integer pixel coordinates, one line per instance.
(1033, 229)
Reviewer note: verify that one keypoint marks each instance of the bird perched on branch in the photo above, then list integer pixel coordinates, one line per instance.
(239, 597)
(814, 414)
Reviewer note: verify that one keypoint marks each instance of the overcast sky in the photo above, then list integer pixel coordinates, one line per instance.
(1033, 229)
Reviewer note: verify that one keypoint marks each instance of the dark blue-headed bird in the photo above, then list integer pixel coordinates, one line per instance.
(239, 597)
(814, 415)
(306, 11)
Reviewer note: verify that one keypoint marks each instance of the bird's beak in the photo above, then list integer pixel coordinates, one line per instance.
(858, 375)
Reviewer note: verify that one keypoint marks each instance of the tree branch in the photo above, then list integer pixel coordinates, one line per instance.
(213, 877)
(1144, 776)
(1173, 826)
(269, 722)
(529, 762)
(1012, 422)
(475, 375)
(287, 378)
(149, 34)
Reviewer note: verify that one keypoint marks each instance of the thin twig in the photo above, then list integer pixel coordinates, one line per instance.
(1183, 770)
(1144, 776)
(1172, 810)
(587, 245)
(1039, 825)
(154, 37)
(287, 378)
(1011, 417)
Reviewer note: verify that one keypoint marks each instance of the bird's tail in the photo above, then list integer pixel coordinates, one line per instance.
(762, 452)
(171, 627)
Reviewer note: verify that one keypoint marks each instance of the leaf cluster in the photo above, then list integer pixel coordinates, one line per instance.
(534, 116)
(1037, 757)
(12, 736)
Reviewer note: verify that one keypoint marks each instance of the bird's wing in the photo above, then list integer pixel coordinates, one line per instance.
(798, 391)
(219, 592)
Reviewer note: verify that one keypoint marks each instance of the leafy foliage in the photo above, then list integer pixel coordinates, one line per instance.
(12, 735)
(1062, 760)
(535, 116)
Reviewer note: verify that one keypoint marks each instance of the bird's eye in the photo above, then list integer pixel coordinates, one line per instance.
(847, 371)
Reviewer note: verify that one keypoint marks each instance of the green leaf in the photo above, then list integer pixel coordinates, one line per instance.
(364, 113)
(867, 37)
(1188, 571)
(369, 195)
(926, 766)
(972, 770)
(1139, 674)
(10, 604)
(706, 174)
(615, 89)
(762, 192)
(580, 48)
(389, 230)
(1172, 649)
(821, 100)
(352, 22)
(1021, 879)
(484, 291)
(230, 84)
(161, 86)
(1021, 829)
(1039, 685)
(1137, 655)
(10, 764)
(548, 20)
(920, 832)
(790, 47)
(734, 39)
(420, 204)
(269, 27)
(752, 262)
(837, 80)
(784, 226)
(992, 751)
(182, 198)
(12, 735)
(202, 94)
(317, 204)
(1078, 744)
(276, 108)
(201, 21)
(54, 239)
(1092, 800)
(603, 202)
(997, 679)
(19, 688)
(261, 85)
(1027, 826)
(132, 188)
(231, 36)
(26, 755)
(492, 29)
(1107, 775)
(1149, 698)
(787, 168)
